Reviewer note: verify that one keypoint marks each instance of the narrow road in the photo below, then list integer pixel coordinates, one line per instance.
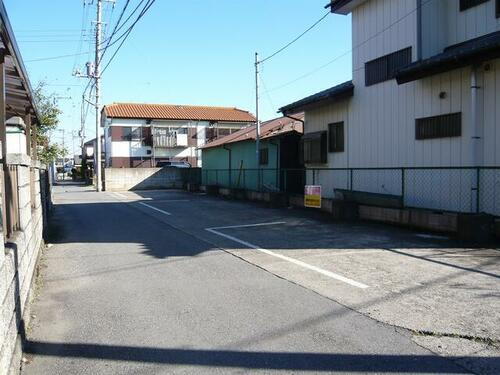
(125, 293)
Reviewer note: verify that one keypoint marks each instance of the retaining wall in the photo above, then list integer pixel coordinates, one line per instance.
(122, 179)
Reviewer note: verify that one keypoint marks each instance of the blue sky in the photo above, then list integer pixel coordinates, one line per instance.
(188, 52)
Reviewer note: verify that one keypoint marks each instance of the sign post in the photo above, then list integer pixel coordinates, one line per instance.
(312, 196)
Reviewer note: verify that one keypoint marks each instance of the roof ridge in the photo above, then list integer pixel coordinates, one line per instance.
(177, 105)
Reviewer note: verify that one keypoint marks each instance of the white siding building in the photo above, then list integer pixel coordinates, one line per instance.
(425, 95)
(150, 135)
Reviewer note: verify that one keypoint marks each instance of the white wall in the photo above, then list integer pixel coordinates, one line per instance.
(379, 120)
(135, 149)
(443, 24)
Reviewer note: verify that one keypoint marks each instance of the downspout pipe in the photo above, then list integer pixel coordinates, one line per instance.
(476, 141)
(229, 163)
(277, 162)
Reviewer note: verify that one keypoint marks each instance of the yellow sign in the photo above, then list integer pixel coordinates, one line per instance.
(312, 196)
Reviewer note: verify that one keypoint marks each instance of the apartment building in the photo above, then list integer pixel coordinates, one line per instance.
(421, 117)
(150, 135)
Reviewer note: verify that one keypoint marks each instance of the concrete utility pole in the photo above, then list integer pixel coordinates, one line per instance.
(97, 78)
(257, 123)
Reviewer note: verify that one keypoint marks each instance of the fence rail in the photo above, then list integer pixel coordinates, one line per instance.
(458, 189)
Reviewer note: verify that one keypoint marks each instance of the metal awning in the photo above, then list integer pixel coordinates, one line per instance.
(471, 52)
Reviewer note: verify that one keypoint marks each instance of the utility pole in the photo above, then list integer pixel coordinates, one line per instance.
(97, 78)
(257, 123)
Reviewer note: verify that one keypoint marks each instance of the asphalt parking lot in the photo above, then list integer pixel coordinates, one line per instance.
(448, 295)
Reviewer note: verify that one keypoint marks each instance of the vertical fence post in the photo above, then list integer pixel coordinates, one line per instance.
(217, 177)
(245, 179)
(478, 193)
(351, 177)
(314, 176)
(403, 175)
(285, 172)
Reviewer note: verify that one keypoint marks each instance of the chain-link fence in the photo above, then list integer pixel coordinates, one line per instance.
(458, 189)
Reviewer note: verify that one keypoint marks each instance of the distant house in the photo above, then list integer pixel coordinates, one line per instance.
(420, 119)
(149, 135)
(232, 160)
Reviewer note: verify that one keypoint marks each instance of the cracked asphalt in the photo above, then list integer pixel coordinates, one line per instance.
(135, 284)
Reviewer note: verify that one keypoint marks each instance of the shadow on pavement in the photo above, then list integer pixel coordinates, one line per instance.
(428, 364)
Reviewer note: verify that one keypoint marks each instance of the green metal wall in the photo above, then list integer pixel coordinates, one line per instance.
(244, 169)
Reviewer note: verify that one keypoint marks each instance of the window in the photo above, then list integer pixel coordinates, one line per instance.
(336, 137)
(439, 126)
(209, 134)
(223, 132)
(131, 134)
(314, 147)
(466, 4)
(263, 156)
(385, 68)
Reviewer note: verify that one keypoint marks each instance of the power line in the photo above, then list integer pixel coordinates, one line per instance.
(294, 40)
(56, 57)
(119, 27)
(349, 51)
(126, 33)
(115, 29)
(143, 12)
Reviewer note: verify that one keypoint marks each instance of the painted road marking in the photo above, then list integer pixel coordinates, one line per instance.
(283, 257)
(156, 209)
(432, 236)
(248, 225)
(118, 195)
(167, 200)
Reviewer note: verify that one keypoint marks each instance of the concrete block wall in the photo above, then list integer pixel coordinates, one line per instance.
(122, 179)
(18, 258)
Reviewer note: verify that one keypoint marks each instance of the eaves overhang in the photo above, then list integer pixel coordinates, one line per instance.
(340, 92)
(344, 6)
(18, 90)
(471, 52)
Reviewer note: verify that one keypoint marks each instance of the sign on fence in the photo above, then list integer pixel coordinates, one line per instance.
(312, 196)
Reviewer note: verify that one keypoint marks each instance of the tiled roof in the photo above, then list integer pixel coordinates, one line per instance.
(176, 112)
(268, 129)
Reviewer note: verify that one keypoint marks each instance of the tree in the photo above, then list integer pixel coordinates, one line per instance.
(49, 119)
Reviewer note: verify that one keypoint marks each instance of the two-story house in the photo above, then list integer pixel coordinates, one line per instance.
(422, 110)
(150, 135)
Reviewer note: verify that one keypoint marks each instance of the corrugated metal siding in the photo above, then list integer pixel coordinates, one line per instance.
(443, 24)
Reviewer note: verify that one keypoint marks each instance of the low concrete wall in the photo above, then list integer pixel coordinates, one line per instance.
(423, 219)
(18, 260)
(446, 222)
(121, 179)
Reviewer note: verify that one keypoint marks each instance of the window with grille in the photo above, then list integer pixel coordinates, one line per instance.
(466, 4)
(314, 148)
(264, 156)
(439, 126)
(131, 134)
(336, 137)
(385, 68)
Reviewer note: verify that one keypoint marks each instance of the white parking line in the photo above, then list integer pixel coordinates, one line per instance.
(248, 225)
(118, 195)
(283, 257)
(156, 209)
